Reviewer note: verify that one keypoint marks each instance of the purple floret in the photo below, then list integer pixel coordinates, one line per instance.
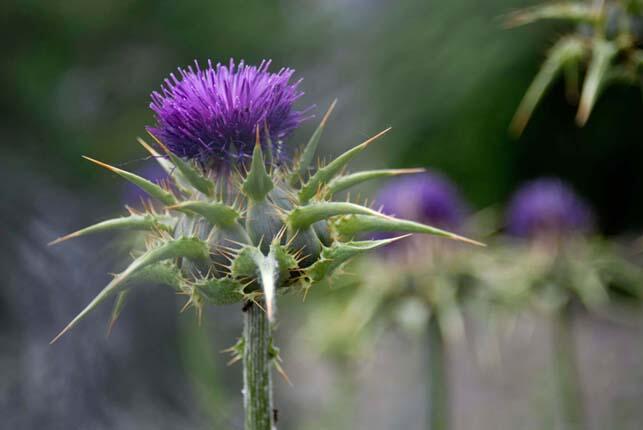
(547, 206)
(428, 197)
(211, 115)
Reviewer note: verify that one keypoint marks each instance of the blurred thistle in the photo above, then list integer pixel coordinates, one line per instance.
(607, 43)
(426, 197)
(547, 207)
(560, 270)
(264, 226)
(420, 288)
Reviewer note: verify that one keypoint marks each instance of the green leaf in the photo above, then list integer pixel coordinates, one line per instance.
(190, 173)
(569, 11)
(258, 183)
(149, 187)
(311, 147)
(328, 172)
(602, 54)
(216, 213)
(566, 51)
(302, 217)
(220, 291)
(132, 222)
(349, 226)
(118, 308)
(190, 248)
(344, 182)
(338, 253)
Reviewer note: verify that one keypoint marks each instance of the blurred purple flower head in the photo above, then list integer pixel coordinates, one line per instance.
(211, 115)
(547, 206)
(426, 197)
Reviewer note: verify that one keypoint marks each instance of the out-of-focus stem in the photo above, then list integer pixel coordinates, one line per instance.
(566, 368)
(437, 385)
(257, 378)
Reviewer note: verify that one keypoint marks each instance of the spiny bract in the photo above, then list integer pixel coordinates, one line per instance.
(222, 239)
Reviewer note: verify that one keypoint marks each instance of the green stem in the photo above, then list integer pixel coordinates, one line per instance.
(437, 390)
(257, 379)
(565, 361)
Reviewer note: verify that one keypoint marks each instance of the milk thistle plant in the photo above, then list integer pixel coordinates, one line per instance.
(607, 43)
(551, 260)
(239, 220)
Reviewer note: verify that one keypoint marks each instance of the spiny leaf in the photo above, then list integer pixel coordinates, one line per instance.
(569, 11)
(603, 52)
(258, 183)
(328, 172)
(285, 261)
(303, 216)
(565, 51)
(338, 253)
(190, 248)
(118, 308)
(244, 264)
(311, 147)
(191, 175)
(132, 222)
(342, 183)
(349, 226)
(216, 213)
(149, 187)
(220, 291)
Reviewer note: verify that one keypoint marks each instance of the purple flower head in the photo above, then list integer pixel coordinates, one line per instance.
(211, 115)
(547, 206)
(427, 197)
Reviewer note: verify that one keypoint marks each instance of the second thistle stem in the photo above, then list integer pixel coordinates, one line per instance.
(257, 378)
(437, 390)
(565, 361)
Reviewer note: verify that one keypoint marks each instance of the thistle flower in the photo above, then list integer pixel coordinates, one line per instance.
(547, 206)
(211, 114)
(428, 197)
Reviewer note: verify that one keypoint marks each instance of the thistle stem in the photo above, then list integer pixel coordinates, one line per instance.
(437, 389)
(566, 368)
(257, 379)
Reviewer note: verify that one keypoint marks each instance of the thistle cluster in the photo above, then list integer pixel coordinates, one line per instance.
(547, 259)
(234, 222)
(607, 44)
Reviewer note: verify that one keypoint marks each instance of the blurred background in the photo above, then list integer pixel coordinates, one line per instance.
(445, 75)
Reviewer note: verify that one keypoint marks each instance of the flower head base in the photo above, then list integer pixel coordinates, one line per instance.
(211, 115)
(547, 207)
(427, 197)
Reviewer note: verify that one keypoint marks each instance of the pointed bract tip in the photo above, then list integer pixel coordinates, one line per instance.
(328, 112)
(59, 335)
(409, 171)
(101, 164)
(467, 240)
(147, 147)
(257, 137)
(158, 142)
(63, 238)
(374, 138)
